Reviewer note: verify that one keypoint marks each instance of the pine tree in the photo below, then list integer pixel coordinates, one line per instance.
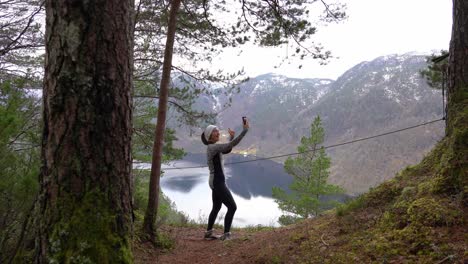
(455, 162)
(310, 170)
(85, 204)
(19, 165)
(436, 71)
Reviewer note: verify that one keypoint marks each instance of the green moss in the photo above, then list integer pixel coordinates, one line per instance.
(87, 233)
(431, 212)
(297, 237)
(396, 217)
(164, 241)
(256, 228)
(408, 193)
(413, 243)
(426, 211)
(416, 239)
(383, 194)
(354, 204)
(276, 260)
(452, 172)
(409, 170)
(425, 188)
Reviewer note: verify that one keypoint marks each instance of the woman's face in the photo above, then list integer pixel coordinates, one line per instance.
(214, 136)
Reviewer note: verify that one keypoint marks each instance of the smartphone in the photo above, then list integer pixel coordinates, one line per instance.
(244, 120)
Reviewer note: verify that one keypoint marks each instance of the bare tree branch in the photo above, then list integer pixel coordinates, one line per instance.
(31, 19)
(190, 113)
(327, 7)
(244, 7)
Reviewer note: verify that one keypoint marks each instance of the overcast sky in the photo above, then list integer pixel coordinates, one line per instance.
(374, 28)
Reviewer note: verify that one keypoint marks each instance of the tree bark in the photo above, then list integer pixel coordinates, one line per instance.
(454, 162)
(153, 199)
(85, 204)
(458, 67)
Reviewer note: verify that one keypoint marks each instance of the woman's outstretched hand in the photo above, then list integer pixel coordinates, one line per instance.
(246, 125)
(231, 133)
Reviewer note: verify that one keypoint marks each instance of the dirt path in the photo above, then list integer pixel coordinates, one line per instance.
(245, 247)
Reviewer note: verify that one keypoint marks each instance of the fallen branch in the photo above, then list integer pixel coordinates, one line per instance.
(323, 241)
(445, 259)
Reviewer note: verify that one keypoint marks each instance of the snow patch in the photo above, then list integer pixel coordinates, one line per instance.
(391, 94)
(320, 94)
(291, 83)
(260, 88)
(278, 78)
(414, 79)
(217, 106)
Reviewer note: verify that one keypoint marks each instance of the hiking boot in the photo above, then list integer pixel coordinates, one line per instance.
(226, 236)
(209, 235)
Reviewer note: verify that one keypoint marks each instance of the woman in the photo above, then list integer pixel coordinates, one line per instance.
(220, 193)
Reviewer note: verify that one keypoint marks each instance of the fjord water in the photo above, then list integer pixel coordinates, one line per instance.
(250, 184)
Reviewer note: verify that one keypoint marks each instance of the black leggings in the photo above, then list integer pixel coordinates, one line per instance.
(222, 195)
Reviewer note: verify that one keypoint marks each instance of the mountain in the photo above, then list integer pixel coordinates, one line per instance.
(375, 97)
(371, 98)
(270, 101)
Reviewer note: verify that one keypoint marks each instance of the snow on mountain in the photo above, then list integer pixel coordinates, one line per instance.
(372, 97)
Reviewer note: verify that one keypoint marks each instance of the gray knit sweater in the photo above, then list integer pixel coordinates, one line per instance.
(214, 156)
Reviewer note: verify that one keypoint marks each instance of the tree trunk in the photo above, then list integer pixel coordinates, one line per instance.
(85, 198)
(454, 162)
(458, 68)
(153, 199)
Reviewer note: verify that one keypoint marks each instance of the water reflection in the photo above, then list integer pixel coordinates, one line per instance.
(250, 184)
(245, 179)
(197, 204)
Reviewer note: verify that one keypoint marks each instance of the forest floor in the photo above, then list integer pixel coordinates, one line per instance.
(246, 246)
(354, 237)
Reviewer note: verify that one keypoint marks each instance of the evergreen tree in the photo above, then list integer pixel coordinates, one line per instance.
(19, 164)
(310, 170)
(85, 203)
(144, 112)
(21, 38)
(455, 162)
(436, 71)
